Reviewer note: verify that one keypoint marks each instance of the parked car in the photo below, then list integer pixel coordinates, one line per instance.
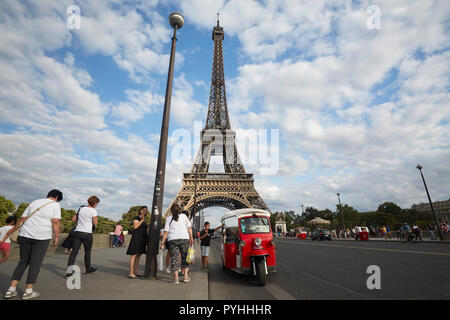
(320, 234)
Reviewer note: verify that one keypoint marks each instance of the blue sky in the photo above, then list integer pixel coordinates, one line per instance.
(356, 107)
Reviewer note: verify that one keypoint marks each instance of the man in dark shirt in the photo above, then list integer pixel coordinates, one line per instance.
(205, 238)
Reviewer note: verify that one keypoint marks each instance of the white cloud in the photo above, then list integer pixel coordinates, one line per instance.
(310, 69)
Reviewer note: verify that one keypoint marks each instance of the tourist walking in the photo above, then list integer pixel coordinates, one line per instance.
(417, 232)
(178, 230)
(38, 221)
(431, 231)
(117, 232)
(5, 242)
(138, 243)
(205, 238)
(86, 220)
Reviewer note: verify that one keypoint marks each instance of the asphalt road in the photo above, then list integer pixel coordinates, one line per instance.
(338, 270)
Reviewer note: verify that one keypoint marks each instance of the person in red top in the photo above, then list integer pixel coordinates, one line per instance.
(117, 232)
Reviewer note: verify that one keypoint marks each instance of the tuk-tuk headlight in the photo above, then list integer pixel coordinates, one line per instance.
(258, 241)
(242, 244)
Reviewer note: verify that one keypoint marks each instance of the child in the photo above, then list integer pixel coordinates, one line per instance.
(6, 245)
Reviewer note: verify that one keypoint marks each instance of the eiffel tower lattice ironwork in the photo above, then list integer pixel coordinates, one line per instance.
(234, 188)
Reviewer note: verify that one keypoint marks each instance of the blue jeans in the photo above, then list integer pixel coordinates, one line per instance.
(116, 240)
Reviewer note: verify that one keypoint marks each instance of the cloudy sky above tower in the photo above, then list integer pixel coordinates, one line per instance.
(359, 97)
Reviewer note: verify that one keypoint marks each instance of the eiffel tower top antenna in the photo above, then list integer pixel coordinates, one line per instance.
(217, 19)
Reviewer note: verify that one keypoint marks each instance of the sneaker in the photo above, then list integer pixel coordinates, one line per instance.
(10, 294)
(168, 270)
(31, 295)
(187, 280)
(176, 282)
(91, 270)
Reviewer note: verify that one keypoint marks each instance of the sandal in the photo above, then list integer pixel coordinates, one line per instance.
(187, 280)
(132, 276)
(176, 282)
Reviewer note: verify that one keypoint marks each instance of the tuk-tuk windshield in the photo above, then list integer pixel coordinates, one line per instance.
(255, 225)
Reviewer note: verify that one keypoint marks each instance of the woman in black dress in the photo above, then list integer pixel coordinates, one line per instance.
(138, 243)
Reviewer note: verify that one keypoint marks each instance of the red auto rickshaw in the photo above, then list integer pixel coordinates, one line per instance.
(248, 245)
(362, 233)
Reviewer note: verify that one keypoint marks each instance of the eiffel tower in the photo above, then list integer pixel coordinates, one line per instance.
(234, 188)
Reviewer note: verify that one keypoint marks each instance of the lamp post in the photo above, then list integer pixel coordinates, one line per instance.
(176, 21)
(195, 200)
(342, 214)
(431, 204)
(303, 217)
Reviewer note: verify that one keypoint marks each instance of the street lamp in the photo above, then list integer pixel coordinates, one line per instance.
(195, 200)
(176, 21)
(303, 217)
(431, 204)
(342, 214)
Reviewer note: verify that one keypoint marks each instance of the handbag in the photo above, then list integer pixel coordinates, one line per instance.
(14, 235)
(190, 255)
(160, 260)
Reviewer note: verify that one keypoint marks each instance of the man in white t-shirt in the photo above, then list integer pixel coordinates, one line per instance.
(38, 221)
(86, 220)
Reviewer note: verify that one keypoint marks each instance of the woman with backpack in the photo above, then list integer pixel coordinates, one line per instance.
(86, 220)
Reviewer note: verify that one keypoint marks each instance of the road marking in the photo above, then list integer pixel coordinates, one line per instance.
(325, 281)
(278, 292)
(376, 249)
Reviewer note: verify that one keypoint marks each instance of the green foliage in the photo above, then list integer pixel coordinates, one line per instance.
(66, 220)
(351, 216)
(20, 209)
(6, 206)
(379, 219)
(105, 225)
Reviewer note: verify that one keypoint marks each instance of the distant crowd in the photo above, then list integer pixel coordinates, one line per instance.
(383, 232)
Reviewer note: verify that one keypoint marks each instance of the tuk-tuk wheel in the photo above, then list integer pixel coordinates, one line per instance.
(261, 273)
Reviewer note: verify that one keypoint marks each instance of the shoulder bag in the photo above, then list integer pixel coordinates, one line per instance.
(13, 236)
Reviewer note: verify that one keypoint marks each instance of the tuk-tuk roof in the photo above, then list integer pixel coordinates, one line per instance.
(245, 213)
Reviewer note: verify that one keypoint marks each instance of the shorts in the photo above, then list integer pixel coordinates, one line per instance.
(5, 247)
(204, 251)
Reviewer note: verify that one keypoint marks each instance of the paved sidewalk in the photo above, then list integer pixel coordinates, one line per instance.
(110, 281)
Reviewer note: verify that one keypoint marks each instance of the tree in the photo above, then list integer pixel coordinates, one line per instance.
(20, 209)
(105, 225)
(6, 207)
(390, 208)
(351, 216)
